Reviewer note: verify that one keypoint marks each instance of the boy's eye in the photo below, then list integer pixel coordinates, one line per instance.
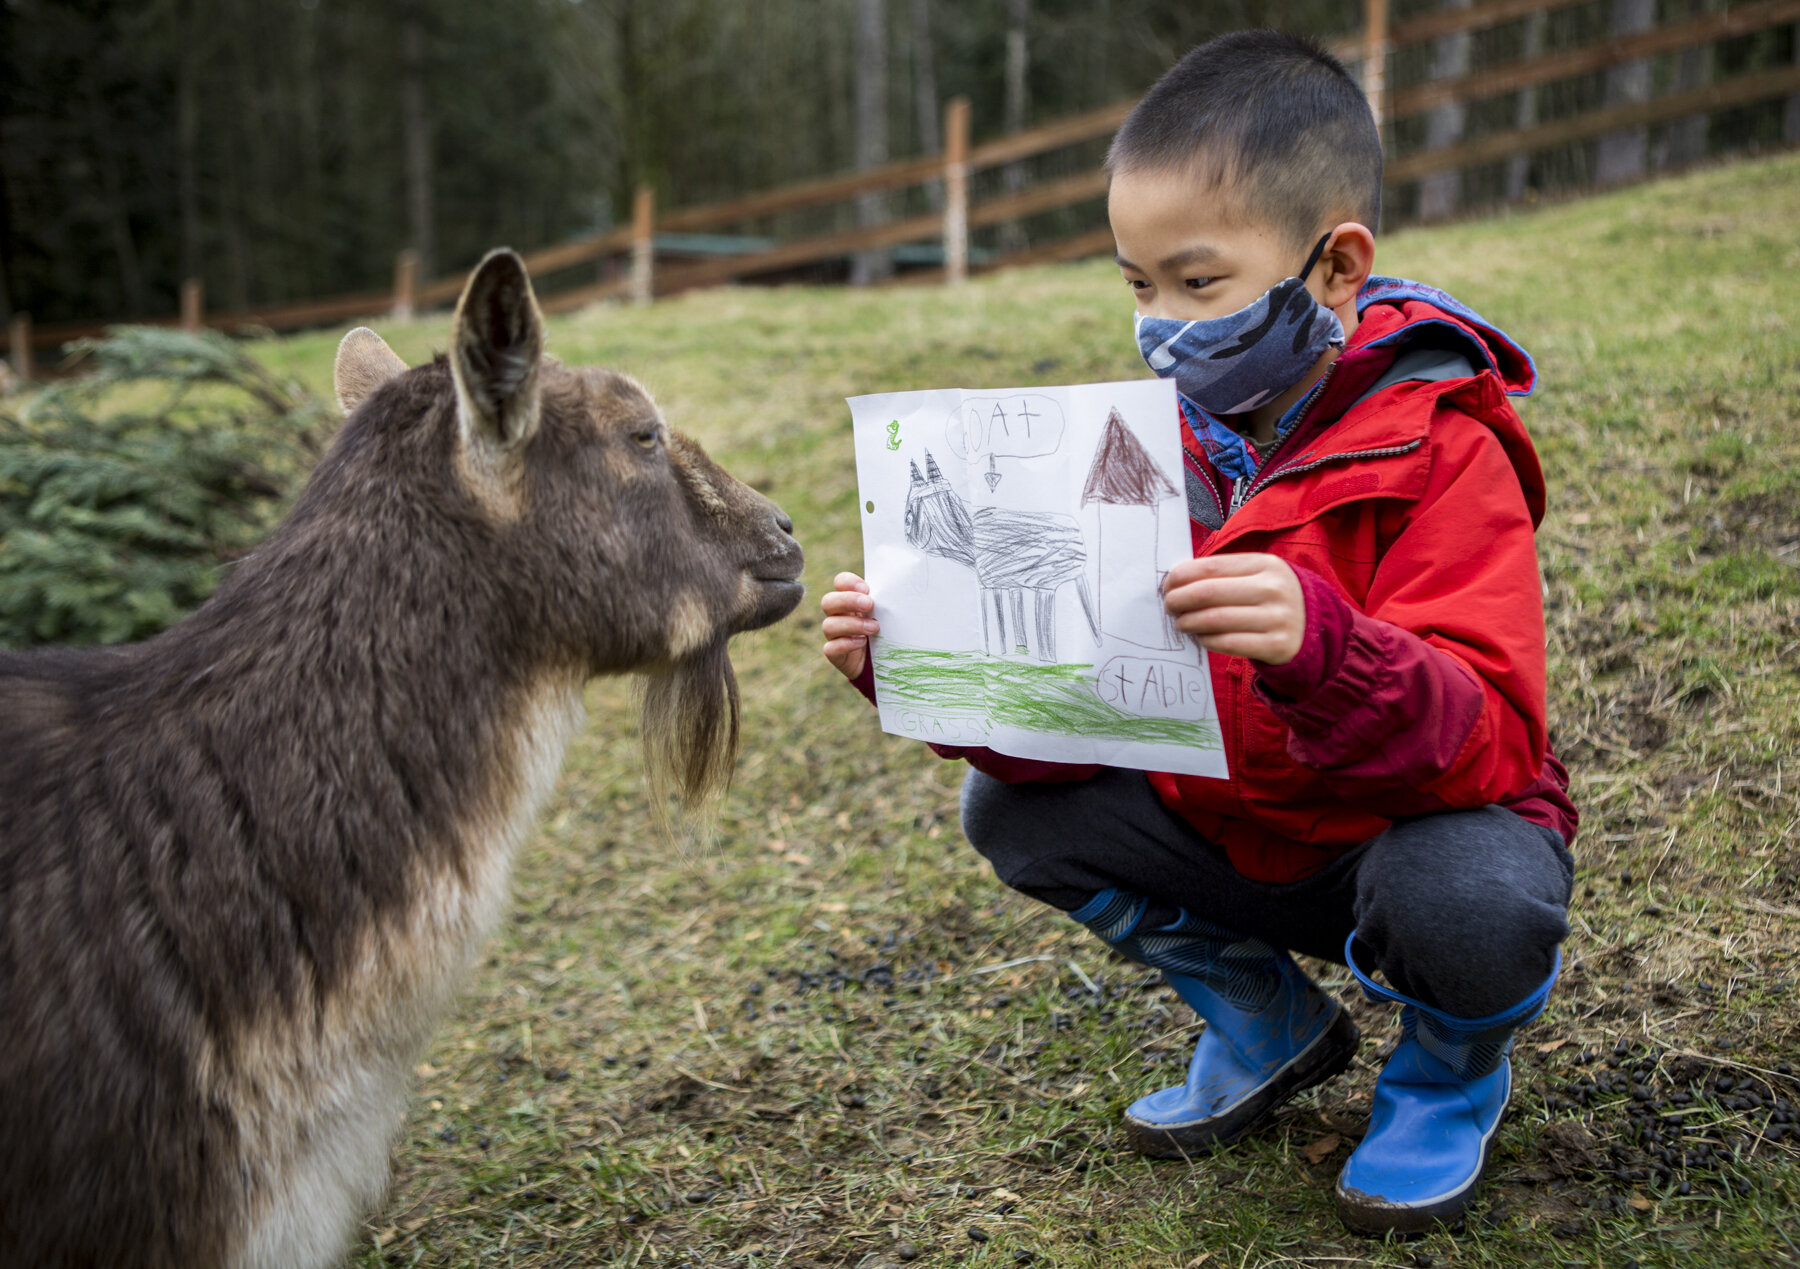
(1195, 284)
(1137, 284)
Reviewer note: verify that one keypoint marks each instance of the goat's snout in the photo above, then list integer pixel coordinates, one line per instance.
(775, 573)
(783, 559)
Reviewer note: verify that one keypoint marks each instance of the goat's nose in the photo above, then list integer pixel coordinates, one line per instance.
(783, 523)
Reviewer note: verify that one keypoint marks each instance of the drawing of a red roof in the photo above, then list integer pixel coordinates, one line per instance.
(1123, 473)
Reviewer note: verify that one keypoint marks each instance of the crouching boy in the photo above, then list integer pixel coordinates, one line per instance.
(1363, 500)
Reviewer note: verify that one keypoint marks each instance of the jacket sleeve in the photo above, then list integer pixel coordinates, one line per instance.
(1002, 767)
(1430, 697)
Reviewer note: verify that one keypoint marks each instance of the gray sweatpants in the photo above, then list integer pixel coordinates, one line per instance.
(1462, 911)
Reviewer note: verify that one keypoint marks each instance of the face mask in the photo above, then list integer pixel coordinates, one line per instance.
(1230, 364)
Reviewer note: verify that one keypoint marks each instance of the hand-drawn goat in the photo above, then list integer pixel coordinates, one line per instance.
(1011, 552)
(244, 865)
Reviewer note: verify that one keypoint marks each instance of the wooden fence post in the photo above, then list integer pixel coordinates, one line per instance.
(643, 245)
(193, 305)
(1375, 55)
(19, 335)
(406, 285)
(956, 191)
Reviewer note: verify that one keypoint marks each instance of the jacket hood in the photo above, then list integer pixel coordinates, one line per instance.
(1397, 314)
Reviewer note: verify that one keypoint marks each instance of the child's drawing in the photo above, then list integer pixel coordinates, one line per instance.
(1059, 516)
(1012, 552)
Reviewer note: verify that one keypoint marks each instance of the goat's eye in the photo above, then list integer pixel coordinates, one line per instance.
(647, 437)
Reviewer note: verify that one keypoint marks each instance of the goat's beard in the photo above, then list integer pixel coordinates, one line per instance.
(690, 729)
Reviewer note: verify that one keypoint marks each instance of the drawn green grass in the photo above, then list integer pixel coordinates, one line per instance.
(1053, 698)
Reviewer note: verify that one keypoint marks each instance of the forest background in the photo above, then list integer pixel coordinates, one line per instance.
(285, 149)
(281, 150)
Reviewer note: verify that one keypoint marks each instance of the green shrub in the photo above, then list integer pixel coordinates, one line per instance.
(124, 492)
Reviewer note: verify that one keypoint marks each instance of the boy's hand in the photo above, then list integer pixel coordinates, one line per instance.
(1241, 605)
(849, 621)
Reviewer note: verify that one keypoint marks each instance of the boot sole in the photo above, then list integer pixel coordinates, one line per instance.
(1325, 1057)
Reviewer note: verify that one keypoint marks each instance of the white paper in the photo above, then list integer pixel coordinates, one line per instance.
(1015, 541)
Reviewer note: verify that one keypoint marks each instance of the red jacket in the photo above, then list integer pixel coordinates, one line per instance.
(1408, 515)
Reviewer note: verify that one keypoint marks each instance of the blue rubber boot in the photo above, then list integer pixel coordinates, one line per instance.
(1437, 1105)
(1270, 1032)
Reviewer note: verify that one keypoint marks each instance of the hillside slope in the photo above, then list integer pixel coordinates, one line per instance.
(829, 1037)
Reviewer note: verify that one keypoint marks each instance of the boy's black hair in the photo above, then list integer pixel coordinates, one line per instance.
(1274, 117)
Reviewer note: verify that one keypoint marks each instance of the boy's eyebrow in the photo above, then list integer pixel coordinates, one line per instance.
(1199, 253)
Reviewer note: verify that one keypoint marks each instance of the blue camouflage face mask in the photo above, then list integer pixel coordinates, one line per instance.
(1230, 364)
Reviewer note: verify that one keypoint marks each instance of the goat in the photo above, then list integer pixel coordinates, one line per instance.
(245, 864)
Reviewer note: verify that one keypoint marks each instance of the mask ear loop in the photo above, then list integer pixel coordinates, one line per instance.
(1313, 259)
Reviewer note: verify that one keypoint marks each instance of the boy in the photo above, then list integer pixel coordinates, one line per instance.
(1363, 500)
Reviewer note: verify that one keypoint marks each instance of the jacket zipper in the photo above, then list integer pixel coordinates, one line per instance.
(1240, 493)
(1212, 493)
(1243, 491)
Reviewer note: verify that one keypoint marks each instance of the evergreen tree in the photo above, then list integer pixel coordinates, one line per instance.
(123, 493)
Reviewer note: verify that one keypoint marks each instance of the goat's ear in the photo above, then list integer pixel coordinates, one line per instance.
(496, 342)
(364, 363)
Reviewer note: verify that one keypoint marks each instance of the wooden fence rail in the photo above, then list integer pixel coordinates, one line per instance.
(1566, 63)
(642, 279)
(1741, 91)
(632, 268)
(1429, 26)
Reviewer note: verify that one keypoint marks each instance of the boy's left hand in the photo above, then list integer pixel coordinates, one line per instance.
(1241, 605)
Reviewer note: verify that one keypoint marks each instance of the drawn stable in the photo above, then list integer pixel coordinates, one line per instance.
(1015, 542)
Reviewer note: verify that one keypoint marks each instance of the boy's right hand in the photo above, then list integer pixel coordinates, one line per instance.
(849, 622)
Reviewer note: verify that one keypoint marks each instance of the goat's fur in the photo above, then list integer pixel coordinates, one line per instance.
(244, 865)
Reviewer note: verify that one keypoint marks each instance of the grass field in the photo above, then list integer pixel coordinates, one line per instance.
(830, 1037)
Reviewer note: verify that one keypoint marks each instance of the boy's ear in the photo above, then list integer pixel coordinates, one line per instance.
(1347, 261)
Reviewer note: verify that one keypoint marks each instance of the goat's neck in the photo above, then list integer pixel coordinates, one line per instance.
(377, 679)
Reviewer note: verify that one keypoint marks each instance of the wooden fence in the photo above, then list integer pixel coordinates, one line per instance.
(632, 267)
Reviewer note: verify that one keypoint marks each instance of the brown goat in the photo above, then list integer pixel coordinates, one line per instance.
(245, 864)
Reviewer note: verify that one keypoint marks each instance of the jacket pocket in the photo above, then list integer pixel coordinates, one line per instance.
(1265, 768)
